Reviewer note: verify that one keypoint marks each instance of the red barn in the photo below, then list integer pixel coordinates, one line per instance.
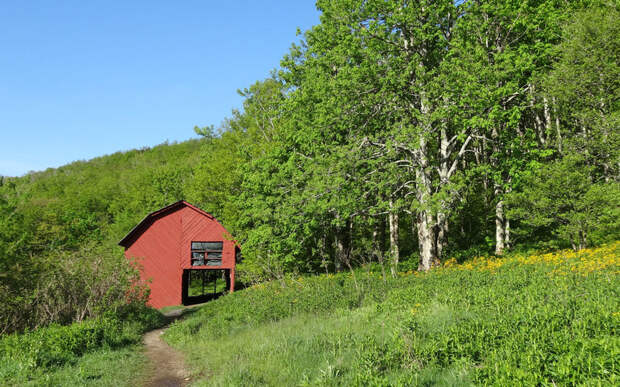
(176, 245)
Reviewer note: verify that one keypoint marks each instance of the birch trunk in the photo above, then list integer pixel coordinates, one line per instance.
(339, 256)
(500, 221)
(499, 225)
(394, 251)
(507, 233)
(425, 242)
(426, 233)
(547, 113)
(507, 221)
(442, 233)
(376, 245)
(444, 171)
(557, 125)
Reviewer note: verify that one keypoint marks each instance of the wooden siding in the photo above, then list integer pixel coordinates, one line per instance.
(158, 251)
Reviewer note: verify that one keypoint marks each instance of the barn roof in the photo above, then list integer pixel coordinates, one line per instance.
(147, 221)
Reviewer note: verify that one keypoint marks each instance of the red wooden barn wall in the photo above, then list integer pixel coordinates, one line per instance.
(164, 249)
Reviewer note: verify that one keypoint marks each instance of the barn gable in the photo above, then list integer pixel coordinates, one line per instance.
(150, 218)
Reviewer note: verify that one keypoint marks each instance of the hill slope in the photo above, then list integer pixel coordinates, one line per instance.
(59, 261)
(81, 200)
(539, 319)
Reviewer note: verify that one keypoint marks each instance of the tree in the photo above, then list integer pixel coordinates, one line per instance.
(573, 199)
(561, 203)
(508, 45)
(372, 71)
(585, 87)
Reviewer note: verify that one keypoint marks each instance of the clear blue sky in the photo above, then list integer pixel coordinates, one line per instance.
(80, 79)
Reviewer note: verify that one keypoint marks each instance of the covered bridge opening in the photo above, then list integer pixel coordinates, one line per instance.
(204, 284)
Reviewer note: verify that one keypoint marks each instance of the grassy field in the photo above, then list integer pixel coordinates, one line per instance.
(548, 319)
(105, 367)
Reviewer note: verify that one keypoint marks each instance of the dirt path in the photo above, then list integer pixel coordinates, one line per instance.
(167, 366)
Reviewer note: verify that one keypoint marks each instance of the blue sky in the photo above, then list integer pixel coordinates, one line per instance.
(80, 79)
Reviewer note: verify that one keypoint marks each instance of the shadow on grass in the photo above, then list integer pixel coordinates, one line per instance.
(193, 300)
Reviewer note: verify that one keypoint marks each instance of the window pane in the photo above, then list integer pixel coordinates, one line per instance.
(211, 255)
(214, 262)
(198, 262)
(196, 254)
(213, 246)
(197, 246)
(217, 246)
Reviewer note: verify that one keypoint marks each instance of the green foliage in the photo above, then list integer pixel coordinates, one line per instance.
(124, 366)
(585, 83)
(525, 320)
(73, 286)
(560, 203)
(55, 345)
(58, 232)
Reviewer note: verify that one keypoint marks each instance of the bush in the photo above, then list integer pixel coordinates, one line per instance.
(70, 287)
(56, 345)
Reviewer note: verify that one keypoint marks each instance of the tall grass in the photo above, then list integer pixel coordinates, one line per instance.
(538, 319)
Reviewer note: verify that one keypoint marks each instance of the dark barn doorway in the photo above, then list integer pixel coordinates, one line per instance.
(204, 285)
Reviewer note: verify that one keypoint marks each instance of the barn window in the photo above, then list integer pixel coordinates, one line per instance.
(207, 253)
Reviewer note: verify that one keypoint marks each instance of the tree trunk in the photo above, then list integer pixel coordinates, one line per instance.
(507, 221)
(340, 253)
(557, 125)
(376, 245)
(425, 242)
(426, 233)
(499, 225)
(547, 113)
(375, 241)
(394, 251)
(538, 124)
(442, 222)
(583, 241)
(442, 234)
(507, 233)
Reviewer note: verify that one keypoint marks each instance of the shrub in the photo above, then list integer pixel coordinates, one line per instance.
(56, 345)
(87, 283)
